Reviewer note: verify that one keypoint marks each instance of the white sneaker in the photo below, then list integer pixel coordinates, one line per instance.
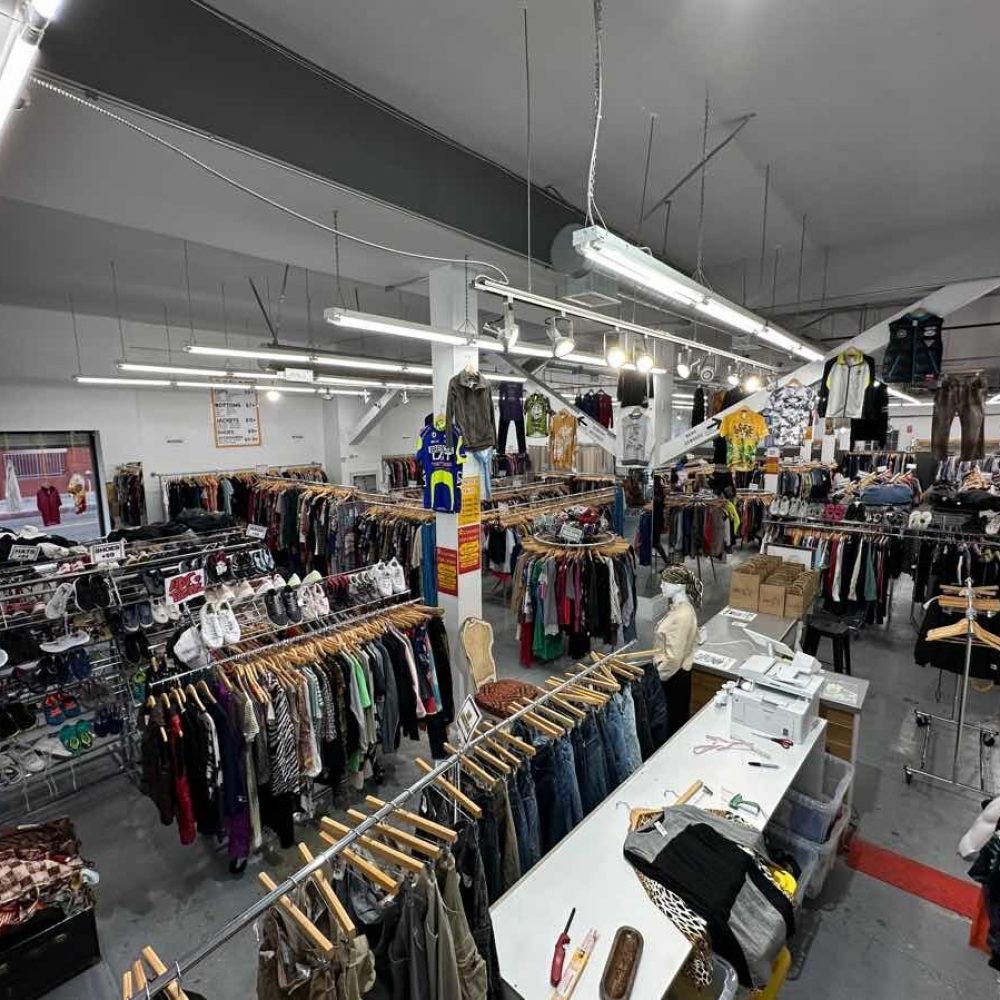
(173, 611)
(279, 581)
(320, 600)
(226, 593)
(244, 592)
(308, 604)
(311, 577)
(397, 576)
(227, 619)
(64, 642)
(383, 580)
(161, 615)
(211, 627)
(294, 581)
(56, 606)
(266, 586)
(52, 746)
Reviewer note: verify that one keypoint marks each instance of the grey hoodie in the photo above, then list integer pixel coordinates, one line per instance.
(470, 406)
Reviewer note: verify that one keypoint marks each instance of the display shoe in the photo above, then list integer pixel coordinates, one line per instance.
(8, 727)
(398, 577)
(161, 615)
(58, 602)
(130, 618)
(28, 758)
(383, 580)
(145, 611)
(25, 717)
(294, 581)
(70, 706)
(786, 506)
(52, 747)
(84, 734)
(308, 604)
(100, 591)
(211, 627)
(244, 592)
(311, 577)
(265, 587)
(275, 608)
(65, 642)
(84, 596)
(79, 664)
(227, 618)
(279, 581)
(52, 709)
(69, 739)
(290, 602)
(321, 601)
(173, 611)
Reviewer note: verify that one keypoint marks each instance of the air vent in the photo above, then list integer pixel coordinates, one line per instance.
(593, 291)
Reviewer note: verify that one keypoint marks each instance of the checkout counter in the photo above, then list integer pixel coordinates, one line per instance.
(726, 647)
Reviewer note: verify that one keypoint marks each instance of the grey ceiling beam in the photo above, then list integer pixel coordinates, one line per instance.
(187, 63)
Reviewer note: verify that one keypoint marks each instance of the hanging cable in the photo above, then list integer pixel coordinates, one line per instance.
(527, 140)
(76, 335)
(592, 209)
(118, 311)
(263, 198)
(699, 270)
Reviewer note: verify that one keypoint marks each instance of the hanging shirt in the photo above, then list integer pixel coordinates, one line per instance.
(536, 415)
(442, 462)
(562, 440)
(845, 379)
(634, 427)
(743, 431)
(789, 413)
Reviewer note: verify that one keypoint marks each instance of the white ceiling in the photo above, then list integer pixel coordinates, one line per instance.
(878, 118)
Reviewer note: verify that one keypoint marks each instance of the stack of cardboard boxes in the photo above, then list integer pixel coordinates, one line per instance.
(770, 586)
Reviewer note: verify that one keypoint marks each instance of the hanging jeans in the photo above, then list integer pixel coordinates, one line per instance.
(511, 413)
(485, 460)
(964, 398)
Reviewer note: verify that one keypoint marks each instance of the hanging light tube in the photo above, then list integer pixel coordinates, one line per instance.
(369, 323)
(129, 366)
(292, 355)
(22, 53)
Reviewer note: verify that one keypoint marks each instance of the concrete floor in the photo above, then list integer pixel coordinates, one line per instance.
(860, 939)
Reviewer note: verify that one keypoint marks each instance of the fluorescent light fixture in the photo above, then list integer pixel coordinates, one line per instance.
(113, 380)
(730, 315)
(129, 366)
(218, 385)
(325, 360)
(776, 338)
(622, 260)
(369, 323)
(903, 396)
(808, 353)
(46, 8)
(20, 58)
(500, 377)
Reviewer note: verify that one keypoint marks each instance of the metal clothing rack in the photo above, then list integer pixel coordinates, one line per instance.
(252, 912)
(925, 720)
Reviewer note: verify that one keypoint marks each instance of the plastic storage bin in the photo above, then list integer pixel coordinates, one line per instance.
(826, 854)
(805, 852)
(813, 818)
(724, 984)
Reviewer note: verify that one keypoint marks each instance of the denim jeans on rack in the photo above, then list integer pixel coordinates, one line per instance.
(641, 720)
(569, 790)
(591, 768)
(543, 771)
(529, 844)
(616, 735)
(631, 734)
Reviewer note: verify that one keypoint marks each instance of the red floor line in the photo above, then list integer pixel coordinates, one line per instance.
(958, 895)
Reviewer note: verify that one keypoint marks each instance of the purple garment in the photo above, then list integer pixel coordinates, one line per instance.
(234, 780)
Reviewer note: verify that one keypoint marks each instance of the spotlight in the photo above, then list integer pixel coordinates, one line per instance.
(511, 331)
(732, 378)
(752, 383)
(684, 363)
(560, 331)
(644, 361)
(273, 395)
(615, 356)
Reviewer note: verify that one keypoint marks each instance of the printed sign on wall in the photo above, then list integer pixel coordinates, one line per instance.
(447, 569)
(236, 418)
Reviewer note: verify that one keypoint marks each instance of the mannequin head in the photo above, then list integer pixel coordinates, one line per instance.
(680, 578)
(673, 592)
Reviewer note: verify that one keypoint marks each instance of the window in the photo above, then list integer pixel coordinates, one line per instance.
(45, 463)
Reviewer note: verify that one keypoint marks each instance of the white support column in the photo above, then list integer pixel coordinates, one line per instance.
(459, 536)
(663, 404)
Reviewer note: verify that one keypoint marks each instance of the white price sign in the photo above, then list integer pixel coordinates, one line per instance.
(24, 553)
(107, 551)
(236, 418)
(571, 533)
(258, 531)
(468, 719)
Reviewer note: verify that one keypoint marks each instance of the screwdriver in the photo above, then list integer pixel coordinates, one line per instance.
(559, 955)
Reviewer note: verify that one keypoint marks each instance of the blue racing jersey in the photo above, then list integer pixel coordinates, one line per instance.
(441, 462)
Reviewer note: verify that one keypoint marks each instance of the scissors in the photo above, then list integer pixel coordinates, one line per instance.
(783, 742)
(720, 743)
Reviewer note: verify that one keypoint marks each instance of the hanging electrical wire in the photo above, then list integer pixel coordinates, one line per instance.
(592, 209)
(239, 186)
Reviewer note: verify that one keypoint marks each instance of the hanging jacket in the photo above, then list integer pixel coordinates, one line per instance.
(846, 377)
(915, 349)
(470, 405)
(48, 502)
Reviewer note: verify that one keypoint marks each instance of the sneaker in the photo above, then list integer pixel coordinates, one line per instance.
(786, 506)
(161, 614)
(266, 587)
(321, 601)
(8, 727)
(99, 590)
(275, 608)
(279, 581)
(64, 642)
(775, 508)
(56, 606)
(383, 580)
(84, 595)
(398, 577)
(70, 706)
(51, 746)
(52, 710)
(28, 758)
(311, 577)
(227, 619)
(135, 648)
(145, 613)
(290, 601)
(294, 581)
(211, 627)
(173, 611)
(79, 664)
(130, 618)
(244, 592)
(307, 604)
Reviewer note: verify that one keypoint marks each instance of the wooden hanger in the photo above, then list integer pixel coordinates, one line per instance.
(622, 664)
(550, 713)
(387, 853)
(415, 844)
(127, 985)
(514, 741)
(471, 767)
(417, 821)
(572, 694)
(456, 794)
(153, 961)
(545, 727)
(308, 928)
(335, 906)
(493, 759)
(596, 680)
(503, 753)
(371, 871)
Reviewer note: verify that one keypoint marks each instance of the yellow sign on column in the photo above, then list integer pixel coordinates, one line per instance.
(469, 513)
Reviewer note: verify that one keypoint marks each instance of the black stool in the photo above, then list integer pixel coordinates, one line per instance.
(839, 634)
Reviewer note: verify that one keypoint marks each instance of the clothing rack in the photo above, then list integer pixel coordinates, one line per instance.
(164, 980)
(524, 513)
(255, 471)
(974, 600)
(535, 545)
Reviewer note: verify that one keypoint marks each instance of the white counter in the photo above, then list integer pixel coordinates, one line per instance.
(587, 869)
